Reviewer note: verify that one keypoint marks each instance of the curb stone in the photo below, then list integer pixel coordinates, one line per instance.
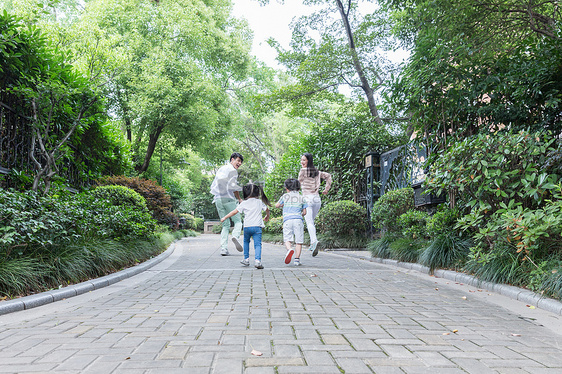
(515, 293)
(47, 297)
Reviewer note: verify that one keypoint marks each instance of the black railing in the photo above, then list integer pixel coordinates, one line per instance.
(402, 167)
(15, 146)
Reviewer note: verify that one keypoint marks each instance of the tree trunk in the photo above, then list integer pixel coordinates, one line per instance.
(152, 140)
(369, 93)
(128, 129)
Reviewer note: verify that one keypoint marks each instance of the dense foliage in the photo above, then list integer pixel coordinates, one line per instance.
(157, 199)
(479, 65)
(492, 188)
(338, 141)
(174, 63)
(506, 222)
(54, 110)
(48, 241)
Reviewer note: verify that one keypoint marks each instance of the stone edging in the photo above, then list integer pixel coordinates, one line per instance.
(516, 293)
(32, 301)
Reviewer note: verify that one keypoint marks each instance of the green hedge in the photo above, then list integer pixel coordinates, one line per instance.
(342, 218)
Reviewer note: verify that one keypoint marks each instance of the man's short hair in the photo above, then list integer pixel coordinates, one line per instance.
(236, 155)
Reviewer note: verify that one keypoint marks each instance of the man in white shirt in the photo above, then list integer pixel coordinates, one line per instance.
(225, 190)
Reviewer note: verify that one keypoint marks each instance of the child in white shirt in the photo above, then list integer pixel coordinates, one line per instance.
(255, 202)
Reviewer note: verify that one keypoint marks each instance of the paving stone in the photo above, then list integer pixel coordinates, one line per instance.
(334, 339)
(76, 362)
(353, 365)
(309, 370)
(199, 312)
(195, 359)
(172, 352)
(274, 361)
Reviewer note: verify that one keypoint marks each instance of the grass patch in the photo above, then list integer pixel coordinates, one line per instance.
(406, 249)
(501, 265)
(552, 284)
(446, 251)
(381, 247)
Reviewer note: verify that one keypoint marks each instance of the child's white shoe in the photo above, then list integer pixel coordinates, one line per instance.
(237, 244)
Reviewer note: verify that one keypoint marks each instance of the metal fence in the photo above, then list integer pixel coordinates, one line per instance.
(398, 168)
(15, 147)
(402, 167)
(15, 141)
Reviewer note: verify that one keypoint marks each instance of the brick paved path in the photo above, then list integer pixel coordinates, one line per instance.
(198, 312)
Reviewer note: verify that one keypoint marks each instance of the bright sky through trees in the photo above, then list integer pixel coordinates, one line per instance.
(269, 21)
(273, 20)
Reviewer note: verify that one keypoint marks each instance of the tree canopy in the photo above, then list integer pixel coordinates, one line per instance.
(479, 65)
(175, 61)
(339, 45)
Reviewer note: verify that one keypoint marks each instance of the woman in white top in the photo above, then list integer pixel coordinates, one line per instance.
(310, 178)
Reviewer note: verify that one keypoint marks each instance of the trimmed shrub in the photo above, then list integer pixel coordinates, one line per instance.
(389, 207)
(118, 213)
(199, 224)
(187, 221)
(217, 229)
(157, 199)
(413, 224)
(342, 218)
(120, 196)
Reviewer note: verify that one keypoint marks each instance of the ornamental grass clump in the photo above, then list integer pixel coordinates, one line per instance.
(552, 283)
(447, 248)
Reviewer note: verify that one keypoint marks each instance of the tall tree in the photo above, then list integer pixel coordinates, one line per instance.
(262, 133)
(50, 97)
(176, 58)
(338, 46)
